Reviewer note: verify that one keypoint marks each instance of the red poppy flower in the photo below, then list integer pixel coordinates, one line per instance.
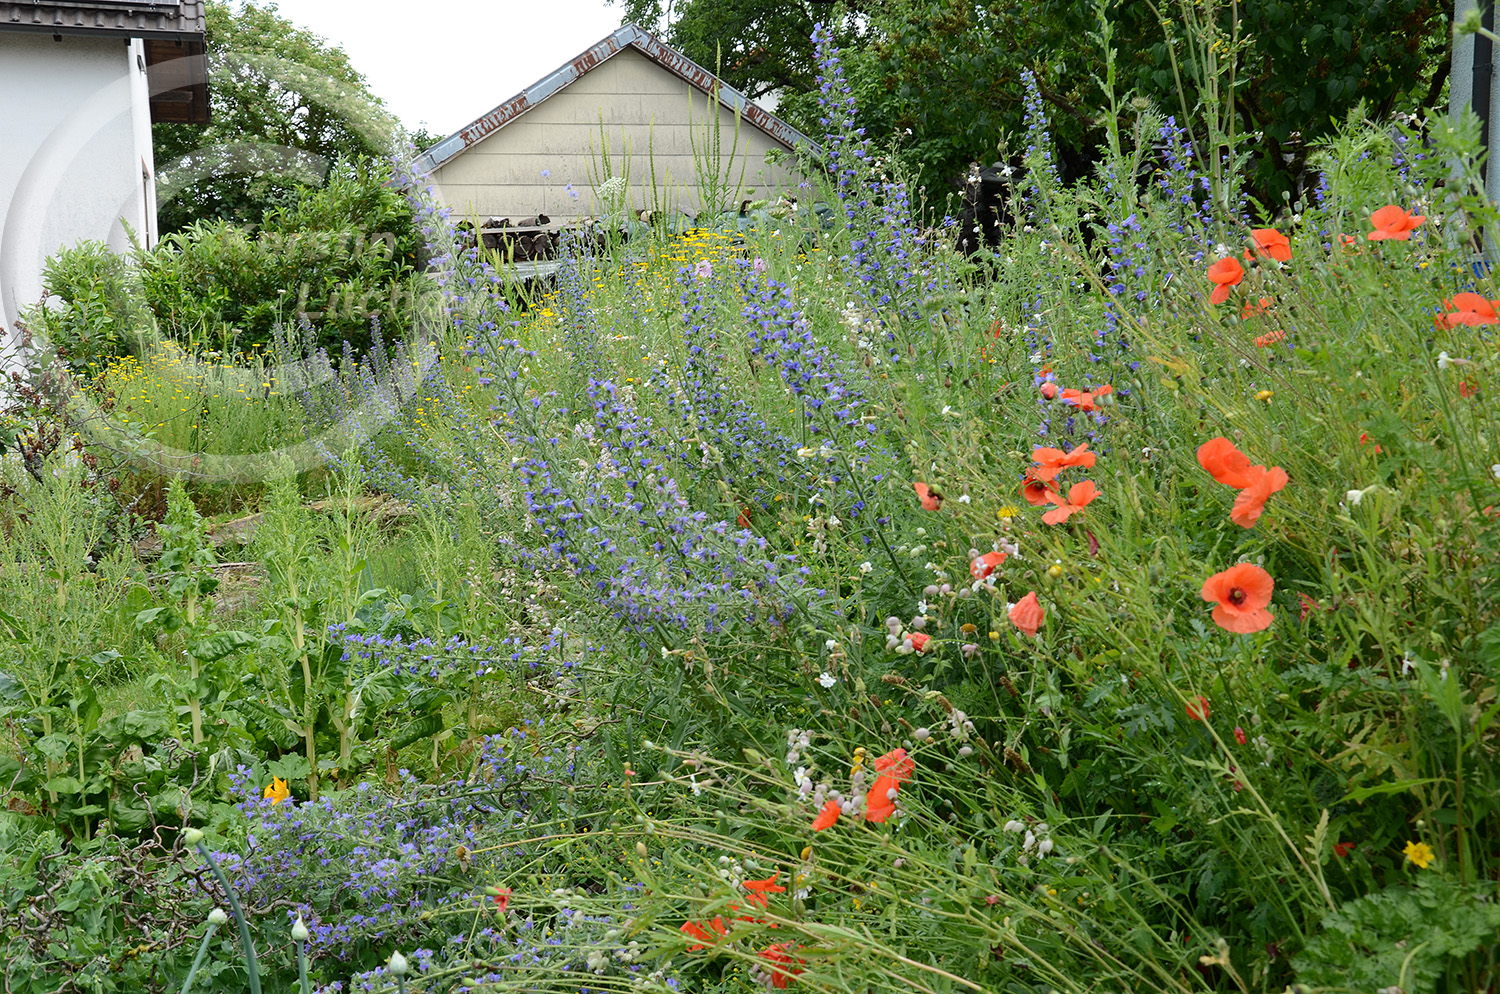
(695, 931)
(984, 565)
(780, 965)
(1241, 593)
(931, 499)
(1468, 309)
(1028, 615)
(1239, 735)
(1364, 439)
(897, 764)
(1034, 491)
(1080, 495)
(1343, 849)
(919, 640)
(1049, 389)
(1226, 463)
(502, 900)
(828, 817)
(1255, 310)
(1197, 708)
(1269, 338)
(744, 518)
(1051, 462)
(1269, 241)
(1467, 389)
(1226, 273)
(1393, 223)
(1084, 400)
(880, 800)
(1252, 500)
(760, 888)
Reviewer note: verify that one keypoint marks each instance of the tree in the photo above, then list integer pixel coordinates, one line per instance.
(759, 47)
(286, 107)
(941, 79)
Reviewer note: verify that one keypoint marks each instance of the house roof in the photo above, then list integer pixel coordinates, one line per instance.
(161, 19)
(628, 36)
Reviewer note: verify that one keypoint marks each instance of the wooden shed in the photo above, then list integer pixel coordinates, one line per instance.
(540, 152)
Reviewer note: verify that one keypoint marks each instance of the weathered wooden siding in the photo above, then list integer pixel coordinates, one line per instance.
(642, 108)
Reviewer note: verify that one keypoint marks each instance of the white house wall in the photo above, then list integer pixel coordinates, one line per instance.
(75, 156)
(643, 108)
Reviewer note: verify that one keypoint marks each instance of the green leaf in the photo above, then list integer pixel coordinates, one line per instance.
(271, 722)
(64, 785)
(217, 646)
(149, 616)
(1380, 789)
(14, 628)
(54, 747)
(424, 727)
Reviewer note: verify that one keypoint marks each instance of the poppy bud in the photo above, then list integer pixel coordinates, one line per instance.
(1049, 390)
(191, 837)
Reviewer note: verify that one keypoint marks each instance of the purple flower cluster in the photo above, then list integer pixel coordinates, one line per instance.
(570, 949)
(363, 866)
(1042, 179)
(1190, 191)
(887, 260)
(434, 659)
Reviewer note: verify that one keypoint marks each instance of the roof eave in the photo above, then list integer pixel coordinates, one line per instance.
(149, 19)
(627, 35)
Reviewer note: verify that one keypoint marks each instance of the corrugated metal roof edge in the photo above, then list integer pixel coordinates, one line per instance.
(627, 35)
(175, 19)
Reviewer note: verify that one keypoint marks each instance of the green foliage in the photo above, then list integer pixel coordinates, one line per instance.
(98, 316)
(939, 80)
(317, 271)
(286, 107)
(118, 917)
(1435, 936)
(337, 257)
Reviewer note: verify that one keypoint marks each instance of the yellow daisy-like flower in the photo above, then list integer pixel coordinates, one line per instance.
(278, 791)
(1419, 853)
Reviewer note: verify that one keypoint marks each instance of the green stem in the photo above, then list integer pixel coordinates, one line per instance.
(195, 707)
(202, 954)
(302, 966)
(51, 763)
(309, 698)
(251, 966)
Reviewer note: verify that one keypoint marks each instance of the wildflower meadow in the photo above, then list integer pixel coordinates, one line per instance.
(799, 605)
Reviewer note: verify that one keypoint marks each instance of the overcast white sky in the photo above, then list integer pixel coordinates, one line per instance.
(446, 62)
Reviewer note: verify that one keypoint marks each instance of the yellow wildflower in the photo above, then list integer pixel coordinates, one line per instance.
(1419, 853)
